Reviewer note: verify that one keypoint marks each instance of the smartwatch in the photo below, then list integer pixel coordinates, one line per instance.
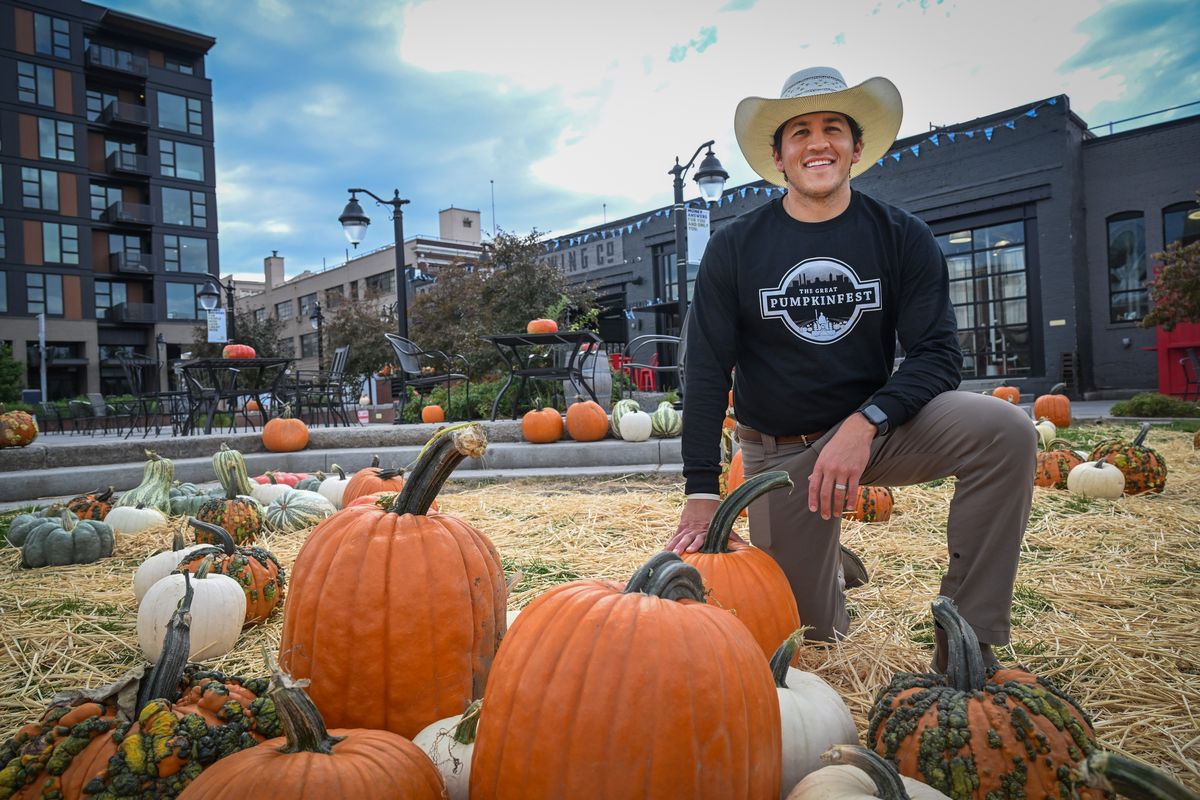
(876, 416)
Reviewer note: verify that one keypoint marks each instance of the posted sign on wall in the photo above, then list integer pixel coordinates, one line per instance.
(697, 234)
(216, 326)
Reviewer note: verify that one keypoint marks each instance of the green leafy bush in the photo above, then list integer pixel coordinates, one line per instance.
(483, 394)
(1152, 404)
(12, 379)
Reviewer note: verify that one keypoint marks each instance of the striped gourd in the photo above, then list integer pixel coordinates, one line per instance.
(666, 421)
(619, 409)
(231, 472)
(155, 489)
(186, 499)
(296, 509)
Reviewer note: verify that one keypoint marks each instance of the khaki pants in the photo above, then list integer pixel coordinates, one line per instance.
(988, 444)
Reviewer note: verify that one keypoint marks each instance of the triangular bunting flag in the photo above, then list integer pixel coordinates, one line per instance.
(988, 133)
(969, 134)
(896, 156)
(879, 163)
(916, 150)
(1031, 112)
(934, 139)
(1053, 101)
(1011, 124)
(950, 136)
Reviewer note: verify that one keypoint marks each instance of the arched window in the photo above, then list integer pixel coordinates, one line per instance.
(1181, 223)
(1128, 298)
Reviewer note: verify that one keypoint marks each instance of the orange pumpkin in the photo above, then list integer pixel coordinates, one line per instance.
(285, 433)
(541, 326)
(1054, 464)
(733, 474)
(372, 479)
(745, 579)
(17, 428)
(874, 505)
(433, 413)
(1144, 468)
(587, 421)
(252, 405)
(542, 427)
(256, 569)
(395, 614)
(1054, 407)
(1005, 392)
(238, 351)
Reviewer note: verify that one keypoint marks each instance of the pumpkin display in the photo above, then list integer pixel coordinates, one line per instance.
(541, 326)
(856, 773)
(433, 413)
(1096, 479)
(587, 659)
(134, 519)
(22, 524)
(436, 593)
(155, 489)
(1009, 394)
(1144, 468)
(635, 426)
(285, 433)
(812, 715)
(295, 510)
(160, 565)
(976, 733)
(744, 579)
(236, 510)
(93, 505)
(450, 743)
(333, 488)
(266, 491)
(542, 426)
(874, 504)
(256, 570)
(66, 539)
(17, 428)
(1054, 464)
(217, 611)
(666, 422)
(1054, 406)
(587, 421)
(313, 763)
(238, 351)
(1047, 432)
(620, 409)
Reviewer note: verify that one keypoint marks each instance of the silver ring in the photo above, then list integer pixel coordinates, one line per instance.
(841, 486)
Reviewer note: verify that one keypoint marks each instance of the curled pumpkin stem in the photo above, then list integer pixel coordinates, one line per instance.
(716, 540)
(888, 784)
(668, 576)
(444, 452)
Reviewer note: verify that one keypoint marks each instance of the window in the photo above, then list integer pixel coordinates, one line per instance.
(308, 344)
(35, 84)
(599, 254)
(287, 347)
(1128, 297)
(306, 304)
(103, 197)
(115, 58)
(383, 283)
(108, 294)
(1178, 226)
(3, 248)
(113, 146)
(583, 258)
(39, 189)
(60, 243)
(51, 36)
(177, 113)
(179, 160)
(260, 315)
(56, 139)
(97, 101)
(181, 66)
(3, 292)
(43, 294)
(466, 222)
(181, 207)
(185, 254)
(182, 302)
(334, 296)
(283, 310)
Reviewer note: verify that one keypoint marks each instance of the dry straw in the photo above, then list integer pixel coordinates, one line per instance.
(1107, 602)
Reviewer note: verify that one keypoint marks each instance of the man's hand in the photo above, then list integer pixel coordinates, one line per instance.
(693, 525)
(834, 480)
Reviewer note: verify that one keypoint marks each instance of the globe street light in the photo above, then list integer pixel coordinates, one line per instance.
(354, 225)
(711, 177)
(317, 320)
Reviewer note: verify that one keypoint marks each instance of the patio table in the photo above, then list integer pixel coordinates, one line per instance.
(211, 381)
(516, 350)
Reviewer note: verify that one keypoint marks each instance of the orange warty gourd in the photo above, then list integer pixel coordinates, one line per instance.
(285, 433)
(744, 579)
(256, 569)
(874, 504)
(395, 614)
(542, 427)
(587, 421)
(541, 326)
(1009, 393)
(1144, 468)
(433, 413)
(1054, 407)
(648, 691)
(1054, 464)
(372, 479)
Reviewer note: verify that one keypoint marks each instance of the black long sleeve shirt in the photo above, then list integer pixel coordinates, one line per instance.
(808, 314)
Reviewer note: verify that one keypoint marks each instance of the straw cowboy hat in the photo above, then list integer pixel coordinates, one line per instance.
(874, 104)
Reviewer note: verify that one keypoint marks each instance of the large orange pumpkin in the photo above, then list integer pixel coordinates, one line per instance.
(541, 326)
(1054, 464)
(587, 421)
(372, 479)
(605, 693)
(285, 433)
(542, 427)
(874, 504)
(744, 579)
(395, 614)
(1054, 407)
(981, 734)
(1008, 393)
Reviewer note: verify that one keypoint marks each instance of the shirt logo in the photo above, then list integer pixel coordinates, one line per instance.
(820, 300)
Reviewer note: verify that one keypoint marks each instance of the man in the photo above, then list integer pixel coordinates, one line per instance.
(803, 299)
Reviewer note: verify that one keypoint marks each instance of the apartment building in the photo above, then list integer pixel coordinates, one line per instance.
(108, 219)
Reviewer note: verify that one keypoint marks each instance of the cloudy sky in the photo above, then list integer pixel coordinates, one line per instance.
(571, 113)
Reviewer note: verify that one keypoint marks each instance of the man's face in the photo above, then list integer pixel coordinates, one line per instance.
(816, 152)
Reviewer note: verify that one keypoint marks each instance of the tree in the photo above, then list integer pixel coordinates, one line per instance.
(360, 326)
(262, 336)
(12, 381)
(1175, 288)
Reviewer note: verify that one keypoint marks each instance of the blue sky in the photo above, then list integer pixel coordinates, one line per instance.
(577, 110)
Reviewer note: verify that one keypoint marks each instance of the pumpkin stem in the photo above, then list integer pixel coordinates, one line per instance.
(102, 496)
(206, 565)
(341, 472)
(964, 662)
(225, 541)
(302, 722)
(888, 784)
(167, 673)
(177, 542)
(1111, 772)
(69, 520)
(717, 538)
(441, 455)
(271, 477)
(1141, 434)
(464, 731)
(784, 656)
(375, 460)
(1057, 388)
(668, 576)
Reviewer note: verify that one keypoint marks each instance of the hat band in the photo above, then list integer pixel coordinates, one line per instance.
(813, 84)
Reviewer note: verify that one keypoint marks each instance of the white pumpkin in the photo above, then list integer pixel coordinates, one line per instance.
(860, 774)
(1047, 431)
(1096, 479)
(636, 426)
(266, 492)
(134, 519)
(813, 715)
(510, 617)
(218, 611)
(450, 743)
(333, 488)
(160, 565)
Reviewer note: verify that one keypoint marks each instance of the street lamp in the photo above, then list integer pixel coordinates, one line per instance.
(711, 177)
(210, 298)
(160, 350)
(354, 225)
(317, 319)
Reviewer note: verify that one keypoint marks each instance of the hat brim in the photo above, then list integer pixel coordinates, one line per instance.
(874, 104)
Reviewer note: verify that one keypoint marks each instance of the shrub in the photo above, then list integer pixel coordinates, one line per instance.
(483, 394)
(12, 380)
(1152, 404)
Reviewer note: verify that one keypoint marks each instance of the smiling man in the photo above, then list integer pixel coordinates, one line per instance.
(802, 301)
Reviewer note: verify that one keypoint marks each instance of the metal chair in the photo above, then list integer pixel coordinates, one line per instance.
(48, 414)
(647, 358)
(325, 393)
(1191, 374)
(423, 371)
(140, 373)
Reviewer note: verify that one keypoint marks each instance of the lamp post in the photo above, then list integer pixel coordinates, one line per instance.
(711, 177)
(160, 350)
(317, 319)
(210, 298)
(354, 225)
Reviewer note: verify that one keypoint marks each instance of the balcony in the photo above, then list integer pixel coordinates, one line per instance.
(136, 313)
(120, 61)
(128, 163)
(132, 262)
(126, 114)
(129, 214)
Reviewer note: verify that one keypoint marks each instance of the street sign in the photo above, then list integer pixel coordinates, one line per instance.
(216, 326)
(697, 234)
